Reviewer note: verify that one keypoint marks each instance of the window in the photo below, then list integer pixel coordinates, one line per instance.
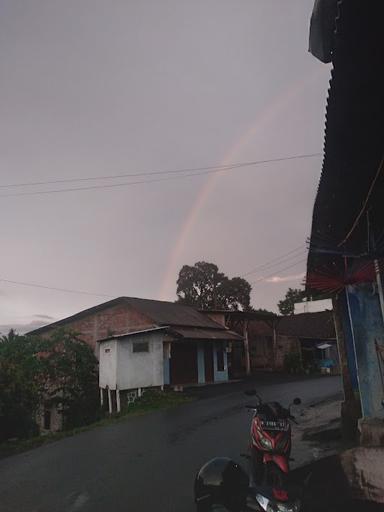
(220, 359)
(140, 346)
(107, 350)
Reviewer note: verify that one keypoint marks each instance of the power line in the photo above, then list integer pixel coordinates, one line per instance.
(82, 292)
(156, 172)
(272, 263)
(366, 201)
(278, 271)
(214, 170)
(67, 290)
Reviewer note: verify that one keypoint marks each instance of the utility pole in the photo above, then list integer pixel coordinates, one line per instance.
(246, 348)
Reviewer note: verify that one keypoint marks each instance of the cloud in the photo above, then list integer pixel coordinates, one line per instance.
(21, 328)
(285, 279)
(45, 317)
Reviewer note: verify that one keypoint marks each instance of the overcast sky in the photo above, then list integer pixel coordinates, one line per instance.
(94, 88)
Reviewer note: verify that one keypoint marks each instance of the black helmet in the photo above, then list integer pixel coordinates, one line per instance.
(221, 482)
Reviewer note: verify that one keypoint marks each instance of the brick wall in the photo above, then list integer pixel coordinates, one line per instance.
(285, 345)
(117, 319)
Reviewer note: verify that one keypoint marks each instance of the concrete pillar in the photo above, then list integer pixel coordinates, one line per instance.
(118, 405)
(109, 401)
(368, 328)
(101, 397)
(341, 346)
(350, 407)
(139, 392)
(200, 363)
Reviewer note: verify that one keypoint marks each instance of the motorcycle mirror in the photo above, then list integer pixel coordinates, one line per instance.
(250, 392)
(297, 401)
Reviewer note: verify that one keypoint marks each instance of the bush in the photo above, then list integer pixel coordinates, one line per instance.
(292, 362)
(19, 391)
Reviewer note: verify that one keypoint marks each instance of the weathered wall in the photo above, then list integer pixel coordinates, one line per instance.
(108, 364)
(216, 317)
(367, 327)
(140, 369)
(285, 345)
(117, 319)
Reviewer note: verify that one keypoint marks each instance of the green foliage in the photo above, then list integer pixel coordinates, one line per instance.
(60, 371)
(292, 362)
(287, 305)
(69, 378)
(19, 389)
(264, 311)
(204, 287)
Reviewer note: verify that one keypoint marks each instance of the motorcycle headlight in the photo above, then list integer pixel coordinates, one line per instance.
(265, 443)
(275, 506)
(283, 507)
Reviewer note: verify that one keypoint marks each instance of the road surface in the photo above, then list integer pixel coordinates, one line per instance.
(142, 464)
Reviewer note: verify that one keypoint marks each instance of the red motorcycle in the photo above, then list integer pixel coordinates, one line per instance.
(270, 441)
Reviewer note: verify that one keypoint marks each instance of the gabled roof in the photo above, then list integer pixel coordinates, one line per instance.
(160, 312)
(318, 325)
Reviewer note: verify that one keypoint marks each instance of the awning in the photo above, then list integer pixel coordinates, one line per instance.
(323, 346)
(196, 333)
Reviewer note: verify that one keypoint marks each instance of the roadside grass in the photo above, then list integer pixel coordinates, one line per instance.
(149, 402)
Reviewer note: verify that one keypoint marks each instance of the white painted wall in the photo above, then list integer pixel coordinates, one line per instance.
(140, 369)
(108, 364)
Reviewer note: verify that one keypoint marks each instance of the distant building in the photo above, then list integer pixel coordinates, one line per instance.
(269, 338)
(313, 306)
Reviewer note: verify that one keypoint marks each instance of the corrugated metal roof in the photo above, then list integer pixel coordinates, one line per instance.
(308, 325)
(353, 145)
(161, 312)
(172, 313)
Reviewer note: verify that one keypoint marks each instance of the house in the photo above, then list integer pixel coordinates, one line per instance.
(269, 338)
(314, 336)
(146, 343)
(256, 328)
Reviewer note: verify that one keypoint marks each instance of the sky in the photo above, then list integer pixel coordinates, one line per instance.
(98, 89)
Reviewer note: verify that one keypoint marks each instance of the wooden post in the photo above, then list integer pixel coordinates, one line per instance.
(109, 401)
(246, 348)
(118, 405)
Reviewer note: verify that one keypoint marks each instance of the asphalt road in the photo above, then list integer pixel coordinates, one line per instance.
(146, 463)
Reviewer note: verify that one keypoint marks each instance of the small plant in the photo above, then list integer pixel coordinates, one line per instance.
(293, 363)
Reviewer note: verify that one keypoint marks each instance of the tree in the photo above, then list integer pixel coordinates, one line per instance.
(38, 373)
(19, 389)
(287, 305)
(69, 378)
(11, 336)
(203, 286)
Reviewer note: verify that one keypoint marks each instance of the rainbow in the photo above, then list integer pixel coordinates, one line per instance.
(268, 114)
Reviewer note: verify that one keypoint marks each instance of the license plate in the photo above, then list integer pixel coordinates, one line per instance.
(275, 425)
